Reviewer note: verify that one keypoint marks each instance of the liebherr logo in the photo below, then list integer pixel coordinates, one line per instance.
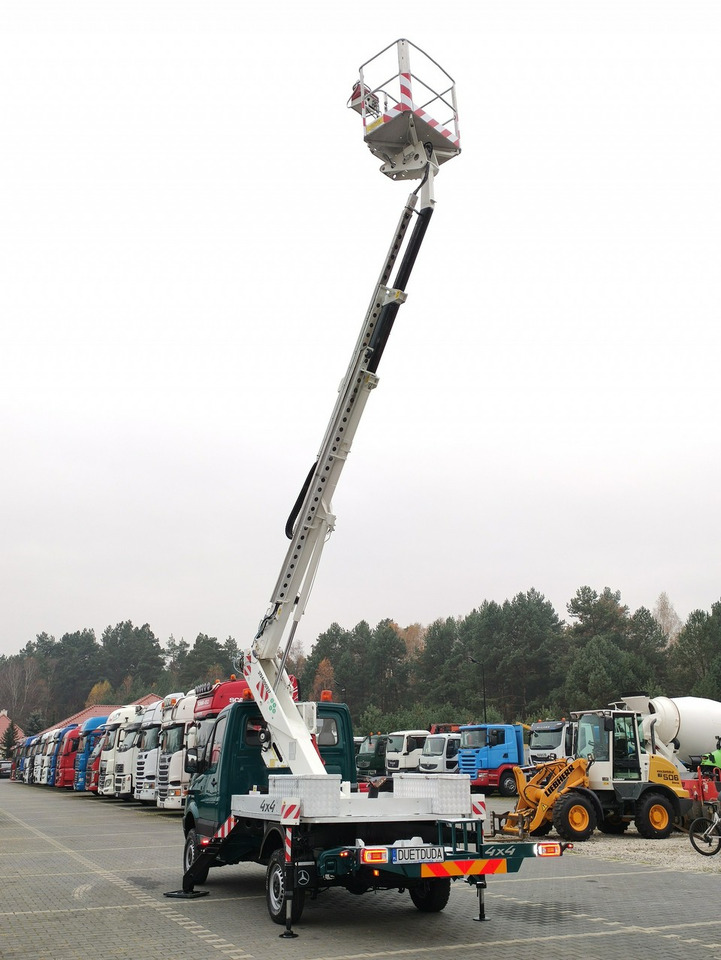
(558, 780)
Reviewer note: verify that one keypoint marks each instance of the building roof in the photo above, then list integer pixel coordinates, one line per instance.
(100, 710)
(5, 722)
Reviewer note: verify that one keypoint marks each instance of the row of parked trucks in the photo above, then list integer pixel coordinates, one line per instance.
(487, 752)
(680, 730)
(133, 753)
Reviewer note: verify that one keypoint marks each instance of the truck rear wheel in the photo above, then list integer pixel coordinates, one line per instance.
(191, 851)
(431, 896)
(654, 816)
(574, 817)
(275, 892)
(507, 784)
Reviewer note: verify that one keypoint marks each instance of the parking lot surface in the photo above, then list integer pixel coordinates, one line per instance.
(82, 878)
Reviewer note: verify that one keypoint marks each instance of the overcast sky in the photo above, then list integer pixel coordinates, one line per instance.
(190, 230)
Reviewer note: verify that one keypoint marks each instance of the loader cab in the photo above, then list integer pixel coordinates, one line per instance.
(611, 738)
(626, 748)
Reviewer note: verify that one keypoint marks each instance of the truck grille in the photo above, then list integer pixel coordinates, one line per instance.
(163, 775)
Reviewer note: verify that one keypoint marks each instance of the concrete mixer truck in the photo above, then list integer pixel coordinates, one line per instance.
(684, 728)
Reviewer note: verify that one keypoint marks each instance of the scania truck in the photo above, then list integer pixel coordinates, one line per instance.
(146, 762)
(173, 778)
(488, 754)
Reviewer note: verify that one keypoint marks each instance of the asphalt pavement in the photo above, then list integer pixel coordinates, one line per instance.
(82, 877)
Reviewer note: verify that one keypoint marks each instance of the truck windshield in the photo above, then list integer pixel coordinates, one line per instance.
(474, 738)
(172, 738)
(433, 747)
(110, 739)
(375, 743)
(149, 738)
(132, 735)
(395, 744)
(204, 727)
(545, 739)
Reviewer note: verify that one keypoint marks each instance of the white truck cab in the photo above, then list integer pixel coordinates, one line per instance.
(551, 740)
(440, 753)
(404, 749)
(114, 736)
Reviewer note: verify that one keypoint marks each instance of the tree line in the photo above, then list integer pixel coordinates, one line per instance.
(510, 661)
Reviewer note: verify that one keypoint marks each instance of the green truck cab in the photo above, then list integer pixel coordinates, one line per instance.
(371, 757)
(232, 763)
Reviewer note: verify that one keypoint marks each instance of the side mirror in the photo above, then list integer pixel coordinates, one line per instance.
(192, 764)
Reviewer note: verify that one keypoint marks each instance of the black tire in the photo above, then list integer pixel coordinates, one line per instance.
(431, 896)
(507, 784)
(613, 825)
(574, 817)
(706, 846)
(275, 897)
(654, 816)
(190, 852)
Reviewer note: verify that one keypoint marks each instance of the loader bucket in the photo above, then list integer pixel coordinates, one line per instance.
(538, 790)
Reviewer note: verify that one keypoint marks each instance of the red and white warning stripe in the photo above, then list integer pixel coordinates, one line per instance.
(290, 811)
(406, 95)
(225, 829)
(426, 117)
(288, 844)
(478, 807)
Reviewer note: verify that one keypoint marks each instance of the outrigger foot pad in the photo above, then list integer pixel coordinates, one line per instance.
(189, 895)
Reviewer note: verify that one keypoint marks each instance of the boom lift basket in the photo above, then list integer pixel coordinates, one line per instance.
(403, 110)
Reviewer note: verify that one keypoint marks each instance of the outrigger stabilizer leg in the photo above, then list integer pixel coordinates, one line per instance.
(481, 885)
(199, 867)
(288, 934)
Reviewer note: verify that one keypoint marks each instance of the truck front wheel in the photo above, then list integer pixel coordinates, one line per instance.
(654, 816)
(574, 817)
(431, 896)
(507, 784)
(191, 851)
(275, 891)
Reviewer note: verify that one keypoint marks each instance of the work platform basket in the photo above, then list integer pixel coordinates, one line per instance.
(404, 108)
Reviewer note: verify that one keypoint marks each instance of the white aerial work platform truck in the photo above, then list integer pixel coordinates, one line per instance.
(265, 787)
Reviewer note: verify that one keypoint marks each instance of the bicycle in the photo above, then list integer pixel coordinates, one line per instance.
(705, 834)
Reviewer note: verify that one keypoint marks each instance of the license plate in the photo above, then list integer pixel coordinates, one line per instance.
(418, 854)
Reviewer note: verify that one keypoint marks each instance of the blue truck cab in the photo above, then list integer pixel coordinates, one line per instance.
(488, 754)
(90, 733)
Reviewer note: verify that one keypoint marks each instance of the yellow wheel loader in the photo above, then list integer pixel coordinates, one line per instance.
(616, 778)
